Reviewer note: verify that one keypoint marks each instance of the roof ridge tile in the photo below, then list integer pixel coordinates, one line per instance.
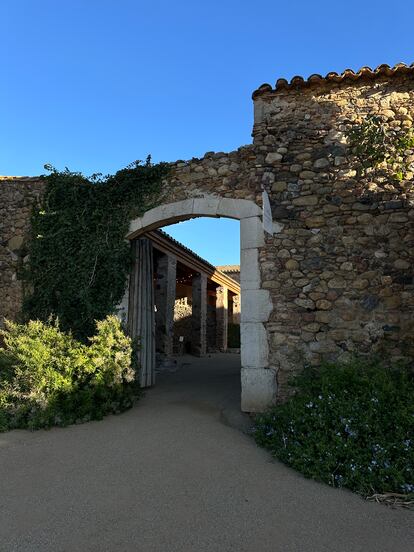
(298, 82)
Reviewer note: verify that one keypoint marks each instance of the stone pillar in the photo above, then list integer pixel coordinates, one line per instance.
(141, 309)
(211, 325)
(199, 315)
(236, 309)
(165, 301)
(222, 317)
(258, 379)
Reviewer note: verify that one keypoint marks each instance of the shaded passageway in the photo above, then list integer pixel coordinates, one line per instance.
(211, 383)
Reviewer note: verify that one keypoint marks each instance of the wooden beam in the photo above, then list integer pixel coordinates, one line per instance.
(186, 257)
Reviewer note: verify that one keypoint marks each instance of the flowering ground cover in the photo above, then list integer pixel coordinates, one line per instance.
(350, 425)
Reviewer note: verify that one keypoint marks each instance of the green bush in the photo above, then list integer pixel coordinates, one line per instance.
(349, 425)
(49, 378)
(78, 258)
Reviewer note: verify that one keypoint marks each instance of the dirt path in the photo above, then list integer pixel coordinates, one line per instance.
(173, 474)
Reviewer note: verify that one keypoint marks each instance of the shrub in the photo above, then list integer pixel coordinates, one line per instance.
(49, 378)
(349, 425)
(78, 258)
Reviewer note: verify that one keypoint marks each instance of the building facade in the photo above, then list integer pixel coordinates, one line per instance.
(176, 270)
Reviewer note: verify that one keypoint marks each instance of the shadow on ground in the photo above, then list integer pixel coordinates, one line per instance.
(210, 384)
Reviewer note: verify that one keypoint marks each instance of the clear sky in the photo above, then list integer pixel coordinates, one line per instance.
(216, 240)
(95, 84)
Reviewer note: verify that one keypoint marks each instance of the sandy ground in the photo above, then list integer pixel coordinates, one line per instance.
(176, 473)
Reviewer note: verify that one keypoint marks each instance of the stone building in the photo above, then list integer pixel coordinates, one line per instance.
(327, 254)
(234, 272)
(178, 298)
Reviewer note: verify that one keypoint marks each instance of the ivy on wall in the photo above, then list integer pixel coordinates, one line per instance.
(375, 144)
(78, 257)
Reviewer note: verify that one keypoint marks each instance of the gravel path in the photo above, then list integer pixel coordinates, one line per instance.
(176, 473)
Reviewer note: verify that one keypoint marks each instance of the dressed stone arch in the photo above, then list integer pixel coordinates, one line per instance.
(258, 380)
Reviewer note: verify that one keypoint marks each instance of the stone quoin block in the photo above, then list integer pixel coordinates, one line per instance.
(256, 305)
(249, 269)
(255, 348)
(259, 389)
(238, 209)
(206, 206)
(251, 233)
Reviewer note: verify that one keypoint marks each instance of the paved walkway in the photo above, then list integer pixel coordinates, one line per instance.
(173, 474)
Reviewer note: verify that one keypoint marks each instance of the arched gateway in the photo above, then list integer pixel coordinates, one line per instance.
(334, 274)
(258, 380)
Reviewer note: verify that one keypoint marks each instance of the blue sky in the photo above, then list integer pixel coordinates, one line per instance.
(96, 84)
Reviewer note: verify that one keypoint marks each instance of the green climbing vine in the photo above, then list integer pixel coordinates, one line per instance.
(78, 258)
(375, 144)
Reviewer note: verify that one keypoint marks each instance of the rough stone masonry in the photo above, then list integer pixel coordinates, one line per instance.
(339, 264)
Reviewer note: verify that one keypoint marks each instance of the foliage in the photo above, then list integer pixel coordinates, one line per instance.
(373, 143)
(49, 378)
(78, 257)
(349, 425)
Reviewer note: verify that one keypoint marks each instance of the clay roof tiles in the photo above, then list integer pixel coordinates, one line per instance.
(228, 268)
(298, 82)
(222, 269)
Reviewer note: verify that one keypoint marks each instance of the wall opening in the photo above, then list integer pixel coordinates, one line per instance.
(258, 380)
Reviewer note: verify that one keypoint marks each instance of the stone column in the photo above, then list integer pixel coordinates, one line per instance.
(199, 315)
(141, 309)
(165, 301)
(258, 379)
(236, 309)
(222, 317)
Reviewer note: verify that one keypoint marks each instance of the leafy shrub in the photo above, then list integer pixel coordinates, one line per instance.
(349, 425)
(49, 378)
(373, 143)
(79, 259)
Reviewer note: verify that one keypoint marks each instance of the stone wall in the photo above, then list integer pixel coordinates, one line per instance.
(182, 325)
(338, 267)
(17, 196)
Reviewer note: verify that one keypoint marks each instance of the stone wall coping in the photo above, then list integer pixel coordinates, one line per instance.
(20, 178)
(347, 76)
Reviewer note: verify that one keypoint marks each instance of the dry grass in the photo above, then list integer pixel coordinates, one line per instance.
(395, 500)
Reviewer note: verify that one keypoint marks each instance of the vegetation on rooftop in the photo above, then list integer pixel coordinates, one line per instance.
(377, 146)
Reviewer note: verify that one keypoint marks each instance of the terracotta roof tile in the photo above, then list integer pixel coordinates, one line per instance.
(233, 268)
(228, 268)
(298, 82)
(173, 240)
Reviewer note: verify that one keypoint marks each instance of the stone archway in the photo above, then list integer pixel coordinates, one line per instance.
(258, 380)
(338, 264)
